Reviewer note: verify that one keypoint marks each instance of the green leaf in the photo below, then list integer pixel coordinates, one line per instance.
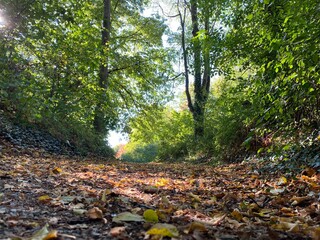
(150, 216)
(127, 217)
(250, 16)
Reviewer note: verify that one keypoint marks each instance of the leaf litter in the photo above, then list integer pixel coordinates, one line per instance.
(59, 197)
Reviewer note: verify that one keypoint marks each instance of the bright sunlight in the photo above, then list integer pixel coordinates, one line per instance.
(2, 19)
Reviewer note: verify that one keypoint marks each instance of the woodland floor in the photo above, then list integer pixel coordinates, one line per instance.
(46, 197)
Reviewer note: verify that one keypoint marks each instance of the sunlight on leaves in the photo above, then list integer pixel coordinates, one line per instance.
(162, 182)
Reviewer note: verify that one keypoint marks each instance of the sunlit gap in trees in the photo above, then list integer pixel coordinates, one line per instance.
(2, 19)
(117, 138)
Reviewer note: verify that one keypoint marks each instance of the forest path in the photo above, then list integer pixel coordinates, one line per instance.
(57, 197)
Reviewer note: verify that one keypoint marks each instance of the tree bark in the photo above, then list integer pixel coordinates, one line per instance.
(199, 99)
(99, 118)
(185, 57)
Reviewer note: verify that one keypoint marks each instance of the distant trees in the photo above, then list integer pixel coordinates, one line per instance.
(267, 55)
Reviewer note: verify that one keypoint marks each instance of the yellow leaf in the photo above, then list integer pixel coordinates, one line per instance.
(282, 181)
(164, 230)
(150, 216)
(44, 198)
(162, 182)
(57, 170)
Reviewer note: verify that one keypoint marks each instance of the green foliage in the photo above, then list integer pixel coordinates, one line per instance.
(136, 152)
(51, 54)
(230, 113)
(160, 134)
(279, 41)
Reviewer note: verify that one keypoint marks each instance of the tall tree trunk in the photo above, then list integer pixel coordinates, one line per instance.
(99, 118)
(201, 85)
(185, 57)
(198, 113)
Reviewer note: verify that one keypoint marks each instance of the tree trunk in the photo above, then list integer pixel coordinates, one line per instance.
(99, 118)
(199, 100)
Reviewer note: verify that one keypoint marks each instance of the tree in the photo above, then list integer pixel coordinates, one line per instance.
(200, 57)
(99, 123)
(74, 71)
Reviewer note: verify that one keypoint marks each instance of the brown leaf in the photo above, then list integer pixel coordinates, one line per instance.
(95, 213)
(117, 231)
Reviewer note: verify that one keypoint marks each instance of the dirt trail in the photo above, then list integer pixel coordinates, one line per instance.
(58, 197)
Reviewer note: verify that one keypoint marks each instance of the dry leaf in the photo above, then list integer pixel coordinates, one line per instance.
(236, 215)
(117, 231)
(57, 170)
(95, 213)
(196, 226)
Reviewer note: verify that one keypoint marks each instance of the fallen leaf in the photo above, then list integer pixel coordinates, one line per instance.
(44, 198)
(117, 231)
(95, 213)
(8, 186)
(195, 197)
(298, 200)
(277, 191)
(282, 181)
(162, 182)
(44, 234)
(196, 226)
(236, 215)
(150, 216)
(127, 217)
(309, 171)
(164, 230)
(57, 170)
(51, 235)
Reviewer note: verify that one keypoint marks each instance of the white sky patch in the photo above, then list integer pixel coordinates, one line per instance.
(115, 138)
(2, 20)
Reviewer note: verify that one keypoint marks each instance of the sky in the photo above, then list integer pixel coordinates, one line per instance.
(2, 20)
